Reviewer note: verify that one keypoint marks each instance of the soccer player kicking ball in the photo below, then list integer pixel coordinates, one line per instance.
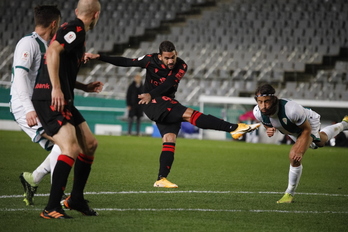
(164, 70)
(301, 124)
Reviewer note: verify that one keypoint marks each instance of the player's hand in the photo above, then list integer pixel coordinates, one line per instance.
(296, 156)
(90, 56)
(31, 118)
(58, 100)
(145, 98)
(270, 131)
(95, 86)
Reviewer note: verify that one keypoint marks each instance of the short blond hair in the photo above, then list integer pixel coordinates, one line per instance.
(88, 7)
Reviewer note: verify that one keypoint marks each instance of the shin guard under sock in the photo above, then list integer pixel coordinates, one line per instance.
(210, 122)
(81, 173)
(166, 159)
(59, 180)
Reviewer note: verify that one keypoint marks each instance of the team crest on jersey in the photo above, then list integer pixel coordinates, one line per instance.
(285, 120)
(25, 55)
(70, 37)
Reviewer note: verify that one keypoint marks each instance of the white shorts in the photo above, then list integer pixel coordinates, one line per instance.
(35, 132)
(313, 119)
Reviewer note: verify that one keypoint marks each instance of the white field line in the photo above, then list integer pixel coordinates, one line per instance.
(182, 209)
(189, 191)
(195, 210)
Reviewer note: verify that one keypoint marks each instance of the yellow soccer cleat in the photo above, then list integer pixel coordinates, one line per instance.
(345, 119)
(164, 183)
(287, 198)
(29, 186)
(244, 128)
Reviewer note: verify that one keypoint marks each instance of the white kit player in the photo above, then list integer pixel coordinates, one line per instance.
(26, 65)
(301, 124)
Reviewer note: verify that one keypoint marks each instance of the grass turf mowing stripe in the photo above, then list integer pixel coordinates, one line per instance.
(189, 191)
(196, 210)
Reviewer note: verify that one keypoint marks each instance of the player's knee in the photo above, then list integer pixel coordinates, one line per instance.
(92, 146)
(169, 138)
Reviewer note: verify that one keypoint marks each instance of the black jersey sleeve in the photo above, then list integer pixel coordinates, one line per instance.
(71, 34)
(171, 81)
(126, 62)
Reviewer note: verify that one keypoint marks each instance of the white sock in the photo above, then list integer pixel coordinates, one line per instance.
(46, 166)
(42, 170)
(345, 125)
(53, 158)
(333, 130)
(294, 178)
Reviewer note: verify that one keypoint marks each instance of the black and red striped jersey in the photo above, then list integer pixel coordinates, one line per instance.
(71, 36)
(160, 80)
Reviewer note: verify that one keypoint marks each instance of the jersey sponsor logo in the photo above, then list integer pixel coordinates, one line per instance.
(78, 29)
(42, 86)
(157, 83)
(142, 57)
(70, 37)
(25, 55)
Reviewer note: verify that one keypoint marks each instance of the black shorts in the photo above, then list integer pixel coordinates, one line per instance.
(167, 113)
(52, 120)
(161, 107)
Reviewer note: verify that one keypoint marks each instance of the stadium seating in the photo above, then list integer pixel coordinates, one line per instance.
(230, 48)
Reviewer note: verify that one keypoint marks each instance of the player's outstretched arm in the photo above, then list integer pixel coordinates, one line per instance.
(90, 56)
(95, 86)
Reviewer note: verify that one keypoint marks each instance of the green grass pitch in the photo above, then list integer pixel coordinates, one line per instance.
(223, 186)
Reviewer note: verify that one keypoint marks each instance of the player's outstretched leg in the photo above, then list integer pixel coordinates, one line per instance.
(244, 128)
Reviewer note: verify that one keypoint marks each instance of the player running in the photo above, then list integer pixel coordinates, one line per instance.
(26, 66)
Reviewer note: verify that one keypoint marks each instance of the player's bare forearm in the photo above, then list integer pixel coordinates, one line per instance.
(53, 62)
(300, 147)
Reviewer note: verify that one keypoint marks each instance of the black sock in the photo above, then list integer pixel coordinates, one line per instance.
(210, 122)
(59, 180)
(81, 173)
(166, 159)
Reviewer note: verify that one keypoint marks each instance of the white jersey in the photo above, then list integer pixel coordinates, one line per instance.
(26, 65)
(289, 116)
